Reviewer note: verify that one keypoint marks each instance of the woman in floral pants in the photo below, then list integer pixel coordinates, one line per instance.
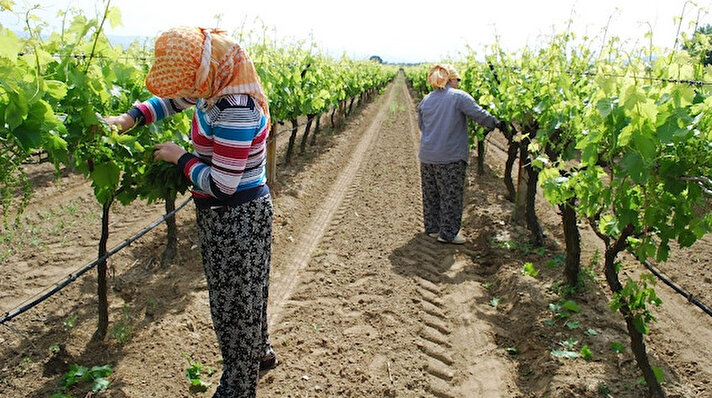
(206, 70)
(444, 151)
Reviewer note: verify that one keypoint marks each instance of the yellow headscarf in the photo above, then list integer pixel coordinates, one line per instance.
(202, 63)
(440, 74)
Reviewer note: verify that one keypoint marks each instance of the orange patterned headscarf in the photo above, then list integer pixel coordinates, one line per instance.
(440, 74)
(202, 63)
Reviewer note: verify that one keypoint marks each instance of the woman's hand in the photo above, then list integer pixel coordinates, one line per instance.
(123, 121)
(502, 126)
(168, 152)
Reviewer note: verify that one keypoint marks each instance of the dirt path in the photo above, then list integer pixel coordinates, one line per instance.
(310, 236)
(372, 315)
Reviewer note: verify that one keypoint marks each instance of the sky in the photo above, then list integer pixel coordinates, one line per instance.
(400, 31)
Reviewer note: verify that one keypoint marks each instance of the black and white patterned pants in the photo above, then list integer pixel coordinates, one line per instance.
(443, 186)
(236, 248)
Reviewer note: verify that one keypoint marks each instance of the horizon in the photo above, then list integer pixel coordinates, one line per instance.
(405, 32)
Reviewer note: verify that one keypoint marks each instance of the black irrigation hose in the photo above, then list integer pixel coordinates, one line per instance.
(677, 288)
(495, 144)
(72, 277)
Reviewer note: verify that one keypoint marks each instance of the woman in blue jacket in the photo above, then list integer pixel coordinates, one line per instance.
(444, 151)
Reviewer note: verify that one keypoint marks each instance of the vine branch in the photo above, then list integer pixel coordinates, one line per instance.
(705, 183)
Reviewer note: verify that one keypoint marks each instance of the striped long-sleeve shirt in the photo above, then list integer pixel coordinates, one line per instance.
(229, 138)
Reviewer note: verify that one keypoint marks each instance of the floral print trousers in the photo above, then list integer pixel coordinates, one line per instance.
(443, 186)
(236, 246)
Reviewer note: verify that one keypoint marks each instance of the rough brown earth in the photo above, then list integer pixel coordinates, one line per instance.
(362, 304)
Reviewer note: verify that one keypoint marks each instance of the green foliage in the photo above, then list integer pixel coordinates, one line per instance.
(617, 135)
(97, 376)
(7, 4)
(194, 371)
(636, 295)
(659, 376)
(586, 353)
(586, 277)
(24, 366)
(27, 119)
(565, 354)
(617, 347)
(300, 80)
(700, 45)
(56, 103)
(603, 389)
(571, 306)
(570, 343)
(529, 270)
(417, 77)
(573, 324)
(122, 329)
(70, 322)
(591, 332)
(563, 310)
(558, 311)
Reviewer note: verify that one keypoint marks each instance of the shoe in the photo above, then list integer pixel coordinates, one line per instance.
(268, 361)
(457, 240)
(434, 234)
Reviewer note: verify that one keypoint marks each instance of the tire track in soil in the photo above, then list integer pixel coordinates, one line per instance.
(441, 337)
(364, 341)
(281, 290)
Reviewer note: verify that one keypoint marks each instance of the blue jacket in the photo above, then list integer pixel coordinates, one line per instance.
(442, 118)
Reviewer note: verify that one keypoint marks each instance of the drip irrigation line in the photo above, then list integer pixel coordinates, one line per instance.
(72, 277)
(495, 144)
(691, 298)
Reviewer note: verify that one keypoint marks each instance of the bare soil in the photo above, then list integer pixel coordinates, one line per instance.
(363, 304)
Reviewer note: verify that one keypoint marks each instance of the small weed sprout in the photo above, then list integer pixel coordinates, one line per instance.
(193, 372)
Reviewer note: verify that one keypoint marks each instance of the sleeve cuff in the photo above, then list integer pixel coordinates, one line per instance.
(184, 160)
(137, 115)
